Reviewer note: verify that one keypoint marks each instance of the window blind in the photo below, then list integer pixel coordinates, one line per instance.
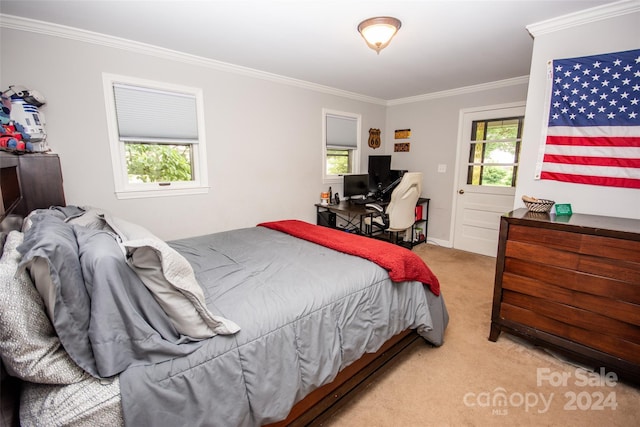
(342, 132)
(149, 115)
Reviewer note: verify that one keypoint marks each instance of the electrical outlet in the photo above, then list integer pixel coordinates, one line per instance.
(442, 168)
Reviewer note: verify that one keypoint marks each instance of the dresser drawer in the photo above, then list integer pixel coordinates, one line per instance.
(616, 264)
(607, 247)
(538, 319)
(549, 239)
(601, 303)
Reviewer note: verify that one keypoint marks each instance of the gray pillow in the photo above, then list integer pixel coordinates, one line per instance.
(90, 217)
(50, 255)
(128, 325)
(170, 278)
(26, 223)
(29, 346)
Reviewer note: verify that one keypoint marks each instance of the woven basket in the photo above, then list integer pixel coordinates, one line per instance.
(541, 205)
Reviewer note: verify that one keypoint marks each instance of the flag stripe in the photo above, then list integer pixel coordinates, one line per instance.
(593, 161)
(594, 141)
(595, 170)
(595, 131)
(592, 180)
(578, 150)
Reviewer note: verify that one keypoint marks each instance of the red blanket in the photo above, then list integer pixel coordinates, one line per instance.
(401, 263)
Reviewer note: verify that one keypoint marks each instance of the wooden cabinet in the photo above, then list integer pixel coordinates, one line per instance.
(40, 178)
(571, 284)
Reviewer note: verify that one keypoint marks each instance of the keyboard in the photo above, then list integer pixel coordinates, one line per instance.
(363, 201)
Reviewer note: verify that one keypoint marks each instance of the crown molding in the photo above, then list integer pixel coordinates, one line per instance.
(522, 80)
(586, 16)
(76, 34)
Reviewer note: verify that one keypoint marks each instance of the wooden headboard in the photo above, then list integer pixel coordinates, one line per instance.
(39, 177)
(40, 180)
(9, 399)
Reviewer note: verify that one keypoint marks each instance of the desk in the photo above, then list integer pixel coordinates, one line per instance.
(351, 216)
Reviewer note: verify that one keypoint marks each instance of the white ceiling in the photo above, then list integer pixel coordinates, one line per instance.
(442, 45)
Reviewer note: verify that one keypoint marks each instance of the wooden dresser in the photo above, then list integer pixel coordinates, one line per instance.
(571, 284)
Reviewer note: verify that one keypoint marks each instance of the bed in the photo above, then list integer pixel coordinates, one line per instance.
(105, 324)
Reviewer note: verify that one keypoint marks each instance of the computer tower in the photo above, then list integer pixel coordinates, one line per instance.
(327, 219)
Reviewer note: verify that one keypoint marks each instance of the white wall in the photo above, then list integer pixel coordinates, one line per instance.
(608, 35)
(434, 140)
(263, 137)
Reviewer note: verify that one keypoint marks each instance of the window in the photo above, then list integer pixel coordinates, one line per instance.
(340, 144)
(494, 152)
(156, 131)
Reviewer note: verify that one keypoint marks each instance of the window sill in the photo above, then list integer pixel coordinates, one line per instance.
(332, 180)
(141, 194)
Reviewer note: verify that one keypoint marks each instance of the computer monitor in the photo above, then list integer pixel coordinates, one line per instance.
(395, 174)
(355, 185)
(379, 169)
(383, 194)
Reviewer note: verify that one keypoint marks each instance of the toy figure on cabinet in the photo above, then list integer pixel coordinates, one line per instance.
(26, 124)
(12, 134)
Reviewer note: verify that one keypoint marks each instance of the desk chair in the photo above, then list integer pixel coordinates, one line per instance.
(400, 214)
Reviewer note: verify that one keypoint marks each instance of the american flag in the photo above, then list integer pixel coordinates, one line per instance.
(593, 134)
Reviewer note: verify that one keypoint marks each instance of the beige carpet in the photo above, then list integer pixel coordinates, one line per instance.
(460, 383)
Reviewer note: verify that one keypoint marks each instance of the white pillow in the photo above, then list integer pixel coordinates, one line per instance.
(170, 278)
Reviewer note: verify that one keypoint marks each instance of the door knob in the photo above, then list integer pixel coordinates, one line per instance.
(460, 191)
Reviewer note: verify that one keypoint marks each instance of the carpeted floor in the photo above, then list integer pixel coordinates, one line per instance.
(471, 381)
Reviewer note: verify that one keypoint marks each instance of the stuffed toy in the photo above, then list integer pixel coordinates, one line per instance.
(12, 134)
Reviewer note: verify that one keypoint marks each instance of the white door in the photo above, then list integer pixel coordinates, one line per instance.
(488, 150)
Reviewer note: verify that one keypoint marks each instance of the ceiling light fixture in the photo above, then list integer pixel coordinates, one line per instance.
(379, 31)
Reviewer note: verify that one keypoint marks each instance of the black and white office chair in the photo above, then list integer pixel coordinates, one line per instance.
(400, 214)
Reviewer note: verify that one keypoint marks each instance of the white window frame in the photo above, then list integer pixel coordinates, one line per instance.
(517, 140)
(337, 179)
(123, 188)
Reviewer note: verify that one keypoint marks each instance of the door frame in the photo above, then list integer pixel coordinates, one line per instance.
(461, 142)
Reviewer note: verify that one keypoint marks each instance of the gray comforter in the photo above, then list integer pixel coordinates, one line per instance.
(305, 313)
